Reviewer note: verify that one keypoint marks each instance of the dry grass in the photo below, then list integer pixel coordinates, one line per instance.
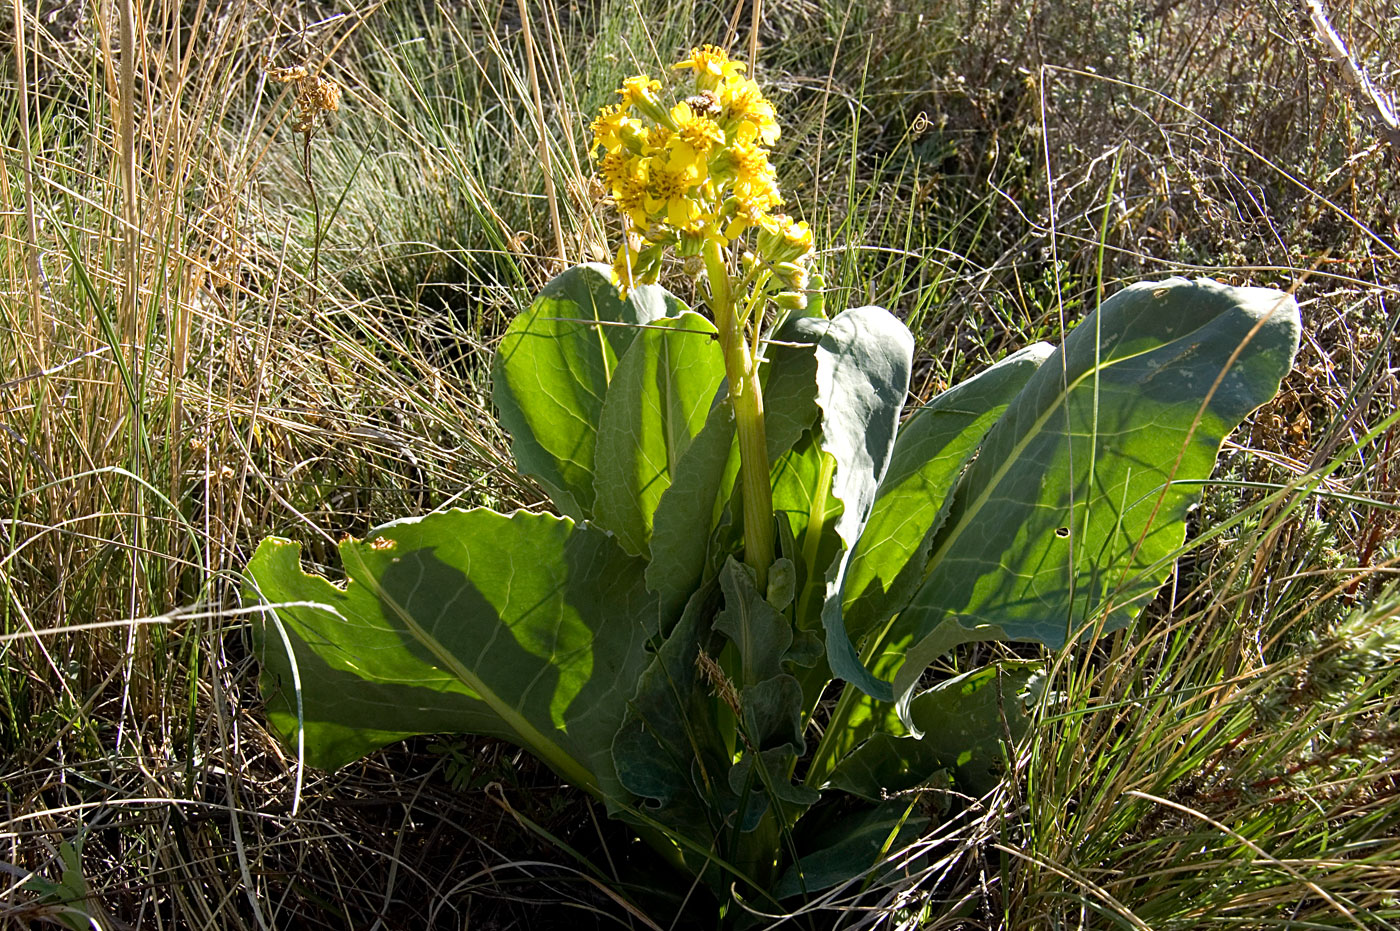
(208, 337)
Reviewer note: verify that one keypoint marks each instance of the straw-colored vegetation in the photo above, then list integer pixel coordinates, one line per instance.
(234, 304)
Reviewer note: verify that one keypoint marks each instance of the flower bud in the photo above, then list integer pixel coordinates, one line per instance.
(639, 93)
(792, 275)
(790, 300)
(782, 240)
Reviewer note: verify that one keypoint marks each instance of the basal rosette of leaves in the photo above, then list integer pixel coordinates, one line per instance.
(750, 520)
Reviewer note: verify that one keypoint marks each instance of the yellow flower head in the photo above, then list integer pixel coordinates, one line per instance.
(711, 65)
(755, 183)
(620, 170)
(613, 127)
(669, 195)
(639, 93)
(747, 111)
(631, 197)
(694, 170)
(696, 129)
(783, 240)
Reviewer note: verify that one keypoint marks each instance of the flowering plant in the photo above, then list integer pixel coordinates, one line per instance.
(747, 527)
(696, 177)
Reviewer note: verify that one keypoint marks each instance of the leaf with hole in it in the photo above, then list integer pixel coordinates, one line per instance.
(930, 452)
(526, 627)
(1072, 514)
(658, 400)
(552, 373)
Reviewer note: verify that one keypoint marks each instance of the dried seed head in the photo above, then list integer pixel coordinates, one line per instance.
(724, 689)
(705, 102)
(315, 95)
(287, 75)
(327, 94)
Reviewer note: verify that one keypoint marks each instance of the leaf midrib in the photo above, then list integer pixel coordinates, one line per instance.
(552, 753)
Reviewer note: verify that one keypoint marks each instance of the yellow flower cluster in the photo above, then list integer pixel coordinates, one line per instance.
(693, 172)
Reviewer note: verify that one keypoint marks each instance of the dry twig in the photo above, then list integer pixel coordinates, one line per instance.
(1366, 94)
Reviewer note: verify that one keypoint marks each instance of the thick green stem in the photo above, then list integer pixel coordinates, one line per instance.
(746, 395)
(755, 853)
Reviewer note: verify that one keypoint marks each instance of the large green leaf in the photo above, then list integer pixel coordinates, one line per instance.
(761, 635)
(771, 700)
(965, 722)
(668, 746)
(552, 372)
(848, 845)
(322, 699)
(690, 509)
(933, 446)
(930, 453)
(807, 512)
(789, 378)
(526, 627)
(657, 402)
(863, 359)
(1074, 509)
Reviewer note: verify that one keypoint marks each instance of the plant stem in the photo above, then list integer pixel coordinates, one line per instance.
(313, 299)
(825, 757)
(746, 395)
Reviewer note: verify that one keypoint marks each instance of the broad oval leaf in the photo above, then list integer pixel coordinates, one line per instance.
(531, 625)
(1074, 510)
(690, 509)
(930, 453)
(321, 699)
(658, 400)
(863, 361)
(552, 372)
